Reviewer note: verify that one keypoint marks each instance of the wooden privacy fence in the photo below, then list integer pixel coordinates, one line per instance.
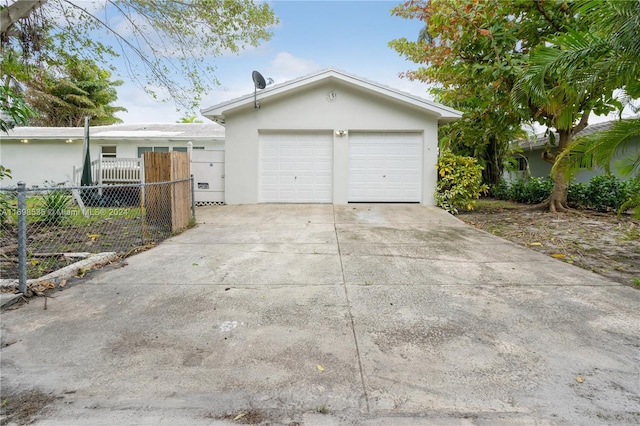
(170, 203)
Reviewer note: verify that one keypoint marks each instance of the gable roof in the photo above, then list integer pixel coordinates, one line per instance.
(539, 140)
(444, 113)
(139, 131)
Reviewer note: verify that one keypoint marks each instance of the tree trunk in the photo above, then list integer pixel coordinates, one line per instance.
(492, 157)
(557, 201)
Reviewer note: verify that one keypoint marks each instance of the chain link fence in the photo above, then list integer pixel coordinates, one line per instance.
(45, 228)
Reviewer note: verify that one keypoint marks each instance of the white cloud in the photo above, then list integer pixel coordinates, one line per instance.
(142, 108)
(285, 67)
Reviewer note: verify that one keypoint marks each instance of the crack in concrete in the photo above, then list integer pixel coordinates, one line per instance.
(353, 325)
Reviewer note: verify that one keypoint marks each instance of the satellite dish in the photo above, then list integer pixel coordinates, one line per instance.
(258, 80)
(258, 83)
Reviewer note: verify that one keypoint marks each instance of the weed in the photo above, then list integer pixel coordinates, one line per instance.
(322, 409)
(636, 281)
(55, 206)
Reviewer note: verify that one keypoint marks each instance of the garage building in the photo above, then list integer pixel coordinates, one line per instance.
(330, 137)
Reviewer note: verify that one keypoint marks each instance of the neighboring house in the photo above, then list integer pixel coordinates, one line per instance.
(39, 154)
(530, 159)
(330, 137)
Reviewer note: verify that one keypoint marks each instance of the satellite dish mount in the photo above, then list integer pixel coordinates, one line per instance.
(258, 83)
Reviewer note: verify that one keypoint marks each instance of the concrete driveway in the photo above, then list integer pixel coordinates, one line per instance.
(320, 314)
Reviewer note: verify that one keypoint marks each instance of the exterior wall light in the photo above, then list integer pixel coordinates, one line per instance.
(341, 132)
(69, 141)
(24, 140)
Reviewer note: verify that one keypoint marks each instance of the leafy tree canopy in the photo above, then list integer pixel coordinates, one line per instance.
(163, 44)
(473, 52)
(479, 56)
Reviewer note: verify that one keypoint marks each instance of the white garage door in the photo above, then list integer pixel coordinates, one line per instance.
(296, 168)
(385, 167)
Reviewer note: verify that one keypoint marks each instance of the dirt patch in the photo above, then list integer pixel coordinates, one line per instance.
(599, 242)
(249, 417)
(46, 244)
(21, 407)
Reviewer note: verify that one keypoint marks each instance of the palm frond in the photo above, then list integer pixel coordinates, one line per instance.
(598, 149)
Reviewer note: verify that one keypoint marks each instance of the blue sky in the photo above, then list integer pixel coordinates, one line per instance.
(312, 35)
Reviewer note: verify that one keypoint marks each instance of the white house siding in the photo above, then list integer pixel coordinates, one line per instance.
(53, 160)
(307, 109)
(41, 161)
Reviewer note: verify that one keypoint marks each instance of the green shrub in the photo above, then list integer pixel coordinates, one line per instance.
(500, 190)
(577, 195)
(459, 182)
(633, 198)
(606, 193)
(602, 193)
(530, 191)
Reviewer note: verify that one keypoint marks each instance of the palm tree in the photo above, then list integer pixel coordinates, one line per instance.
(591, 64)
(545, 95)
(607, 55)
(65, 95)
(604, 57)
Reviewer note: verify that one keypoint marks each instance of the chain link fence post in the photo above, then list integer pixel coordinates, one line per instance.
(22, 238)
(193, 199)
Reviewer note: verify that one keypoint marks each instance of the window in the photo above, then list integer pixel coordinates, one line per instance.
(142, 149)
(185, 149)
(108, 151)
(522, 164)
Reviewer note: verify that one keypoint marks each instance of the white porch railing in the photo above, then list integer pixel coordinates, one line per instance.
(112, 170)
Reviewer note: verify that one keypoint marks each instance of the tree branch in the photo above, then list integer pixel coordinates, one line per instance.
(549, 19)
(16, 11)
(584, 122)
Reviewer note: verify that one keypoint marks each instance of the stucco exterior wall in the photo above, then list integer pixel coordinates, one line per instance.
(53, 160)
(40, 161)
(308, 109)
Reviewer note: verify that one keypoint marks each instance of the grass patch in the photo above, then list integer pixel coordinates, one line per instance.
(489, 205)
